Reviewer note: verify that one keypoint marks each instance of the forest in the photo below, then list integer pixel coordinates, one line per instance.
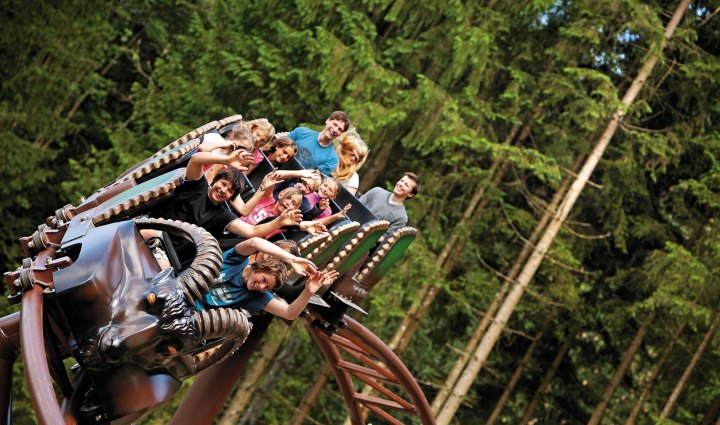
(567, 265)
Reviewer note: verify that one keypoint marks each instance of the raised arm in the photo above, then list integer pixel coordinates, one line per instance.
(337, 216)
(289, 174)
(301, 265)
(291, 311)
(263, 191)
(195, 167)
(245, 230)
(213, 141)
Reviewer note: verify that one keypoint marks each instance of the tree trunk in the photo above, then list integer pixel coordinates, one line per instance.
(514, 380)
(280, 363)
(546, 381)
(447, 258)
(418, 309)
(492, 309)
(538, 254)
(376, 167)
(653, 376)
(301, 411)
(250, 382)
(713, 414)
(680, 386)
(620, 371)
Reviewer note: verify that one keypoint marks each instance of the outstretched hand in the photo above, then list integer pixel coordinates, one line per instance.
(313, 227)
(239, 159)
(309, 174)
(324, 204)
(303, 266)
(317, 280)
(290, 217)
(345, 209)
(270, 180)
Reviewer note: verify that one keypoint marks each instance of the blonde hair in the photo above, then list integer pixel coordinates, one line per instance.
(344, 144)
(312, 183)
(334, 181)
(289, 193)
(260, 125)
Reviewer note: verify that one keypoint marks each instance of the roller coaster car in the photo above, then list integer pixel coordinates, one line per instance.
(91, 289)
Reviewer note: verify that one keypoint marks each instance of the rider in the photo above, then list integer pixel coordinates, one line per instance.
(254, 268)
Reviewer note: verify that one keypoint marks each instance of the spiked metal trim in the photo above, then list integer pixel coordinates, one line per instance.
(212, 125)
(367, 230)
(383, 250)
(157, 162)
(309, 244)
(232, 119)
(141, 198)
(336, 232)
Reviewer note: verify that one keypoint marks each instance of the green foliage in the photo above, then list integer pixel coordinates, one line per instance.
(444, 89)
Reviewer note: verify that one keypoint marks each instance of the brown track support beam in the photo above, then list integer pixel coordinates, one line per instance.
(9, 350)
(380, 365)
(37, 373)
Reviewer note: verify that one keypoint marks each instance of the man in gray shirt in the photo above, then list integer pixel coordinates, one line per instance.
(389, 205)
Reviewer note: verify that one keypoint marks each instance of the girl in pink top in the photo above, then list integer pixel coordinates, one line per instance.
(328, 191)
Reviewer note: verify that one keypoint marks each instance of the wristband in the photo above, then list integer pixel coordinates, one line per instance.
(263, 188)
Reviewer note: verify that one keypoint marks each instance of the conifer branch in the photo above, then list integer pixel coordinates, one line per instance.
(706, 20)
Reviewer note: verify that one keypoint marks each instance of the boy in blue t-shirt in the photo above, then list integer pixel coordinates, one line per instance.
(315, 149)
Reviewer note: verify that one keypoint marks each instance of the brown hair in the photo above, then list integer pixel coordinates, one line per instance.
(289, 245)
(416, 179)
(274, 267)
(282, 142)
(341, 116)
(235, 177)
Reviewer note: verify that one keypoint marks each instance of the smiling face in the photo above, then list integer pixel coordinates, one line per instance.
(328, 189)
(334, 128)
(261, 136)
(282, 155)
(221, 191)
(307, 185)
(289, 201)
(260, 281)
(404, 188)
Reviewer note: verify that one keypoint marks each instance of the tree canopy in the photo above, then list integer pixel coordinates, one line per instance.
(491, 99)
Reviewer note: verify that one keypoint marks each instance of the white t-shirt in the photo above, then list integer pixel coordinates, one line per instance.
(353, 181)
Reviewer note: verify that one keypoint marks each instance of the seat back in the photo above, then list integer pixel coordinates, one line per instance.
(138, 199)
(358, 247)
(379, 264)
(338, 237)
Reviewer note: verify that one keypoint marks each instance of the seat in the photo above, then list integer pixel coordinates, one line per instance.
(378, 265)
(359, 246)
(138, 199)
(338, 237)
